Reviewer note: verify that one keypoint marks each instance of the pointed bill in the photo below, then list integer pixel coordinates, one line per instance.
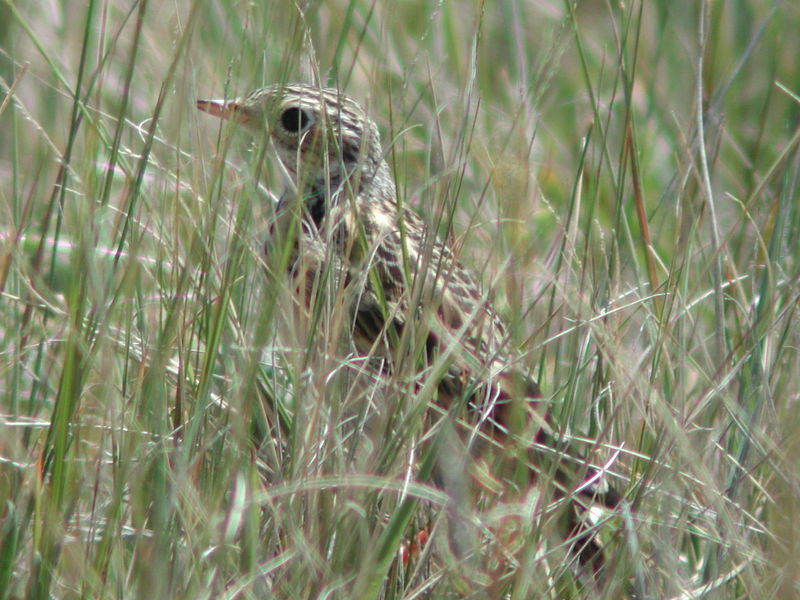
(233, 110)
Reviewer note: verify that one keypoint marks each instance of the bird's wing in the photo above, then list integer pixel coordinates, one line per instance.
(409, 275)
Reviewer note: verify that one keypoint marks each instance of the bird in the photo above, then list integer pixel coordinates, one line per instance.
(332, 152)
(342, 214)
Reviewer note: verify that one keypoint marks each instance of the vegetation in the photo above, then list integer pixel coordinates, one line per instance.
(622, 176)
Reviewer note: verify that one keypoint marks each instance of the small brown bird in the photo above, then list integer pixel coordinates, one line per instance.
(397, 268)
(399, 275)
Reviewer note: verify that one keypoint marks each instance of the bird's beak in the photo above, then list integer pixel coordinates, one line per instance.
(227, 109)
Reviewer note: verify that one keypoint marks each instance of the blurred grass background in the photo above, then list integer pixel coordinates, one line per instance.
(623, 176)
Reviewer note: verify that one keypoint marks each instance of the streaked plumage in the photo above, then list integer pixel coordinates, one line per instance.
(332, 152)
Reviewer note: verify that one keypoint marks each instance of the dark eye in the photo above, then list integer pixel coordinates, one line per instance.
(295, 119)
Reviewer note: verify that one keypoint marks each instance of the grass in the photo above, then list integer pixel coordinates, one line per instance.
(623, 177)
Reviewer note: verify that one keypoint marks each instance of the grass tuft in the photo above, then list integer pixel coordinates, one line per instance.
(622, 177)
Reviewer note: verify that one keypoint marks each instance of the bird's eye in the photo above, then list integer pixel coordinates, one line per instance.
(295, 120)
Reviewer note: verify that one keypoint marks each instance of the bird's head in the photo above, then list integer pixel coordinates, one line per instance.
(326, 141)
